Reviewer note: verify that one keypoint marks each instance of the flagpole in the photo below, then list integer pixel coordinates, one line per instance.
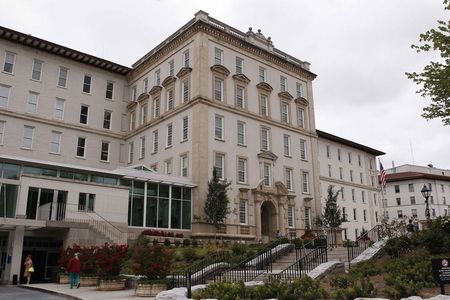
(383, 194)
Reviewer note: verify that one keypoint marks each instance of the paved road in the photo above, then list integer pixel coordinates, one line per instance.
(8, 292)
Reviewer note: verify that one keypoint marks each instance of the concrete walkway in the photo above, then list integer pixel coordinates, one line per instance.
(83, 293)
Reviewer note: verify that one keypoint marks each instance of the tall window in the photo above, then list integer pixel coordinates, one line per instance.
(342, 193)
(353, 195)
(130, 152)
(329, 171)
(170, 100)
(145, 86)
(142, 147)
(243, 212)
(285, 112)
(412, 199)
(168, 167)
(302, 149)
(359, 160)
(308, 218)
(241, 138)
(4, 95)
(185, 90)
(287, 145)
(262, 74)
(218, 127)
(240, 97)
(2, 131)
(301, 89)
(37, 70)
(81, 146)
(107, 119)
(290, 215)
(87, 84)
(218, 89)
(264, 105)
(283, 83)
(156, 107)
(186, 58)
(349, 157)
(219, 164)
(328, 151)
(218, 56)
(134, 93)
(184, 165)
(265, 138)
(59, 109)
(62, 77)
(144, 110)
(305, 182)
(171, 66)
(339, 154)
(109, 89)
(363, 196)
(104, 154)
(55, 142)
(354, 214)
(301, 117)
(351, 175)
(242, 170)
(32, 102)
(361, 178)
(185, 129)
(169, 135)
(158, 77)
(86, 202)
(288, 178)
(84, 112)
(28, 132)
(411, 187)
(10, 58)
(239, 65)
(267, 169)
(341, 173)
(155, 142)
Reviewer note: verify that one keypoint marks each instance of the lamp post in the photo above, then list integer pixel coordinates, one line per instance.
(426, 194)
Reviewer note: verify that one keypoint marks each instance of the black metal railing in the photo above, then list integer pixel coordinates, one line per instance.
(305, 264)
(304, 249)
(363, 242)
(261, 262)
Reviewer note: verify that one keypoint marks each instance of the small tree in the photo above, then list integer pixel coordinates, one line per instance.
(216, 206)
(331, 217)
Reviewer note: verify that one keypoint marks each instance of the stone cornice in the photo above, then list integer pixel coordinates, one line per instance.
(131, 105)
(220, 69)
(168, 81)
(265, 87)
(285, 95)
(241, 78)
(341, 182)
(142, 97)
(184, 71)
(155, 90)
(301, 101)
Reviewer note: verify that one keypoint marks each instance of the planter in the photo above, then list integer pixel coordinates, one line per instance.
(87, 280)
(149, 289)
(111, 284)
(63, 278)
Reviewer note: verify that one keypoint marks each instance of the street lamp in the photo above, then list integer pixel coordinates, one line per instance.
(426, 194)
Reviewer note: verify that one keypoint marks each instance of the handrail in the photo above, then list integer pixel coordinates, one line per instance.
(312, 244)
(363, 242)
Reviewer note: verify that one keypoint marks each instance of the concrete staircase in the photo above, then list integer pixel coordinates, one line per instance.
(338, 253)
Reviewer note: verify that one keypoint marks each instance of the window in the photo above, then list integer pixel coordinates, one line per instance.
(267, 174)
(351, 175)
(62, 77)
(132, 124)
(4, 95)
(59, 109)
(218, 89)
(342, 193)
(218, 127)
(185, 58)
(264, 105)
(339, 154)
(37, 70)
(239, 65)
(219, 164)
(308, 218)
(109, 89)
(305, 182)
(329, 170)
(356, 232)
(412, 199)
(158, 77)
(28, 132)
(142, 147)
(431, 200)
(185, 90)
(107, 119)
(241, 136)
(145, 86)
(262, 74)
(185, 129)
(288, 179)
(243, 212)
(184, 164)
(414, 213)
(444, 200)
(10, 58)
(168, 167)
(375, 199)
(341, 173)
(130, 152)
(376, 217)
(345, 234)
(361, 178)
(218, 56)
(134, 93)
(290, 215)
(349, 157)
(285, 112)
(242, 170)
(283, 83)
(399, 214)
(81, 147)
(363, 196)
(397, 189)
(433, 212)
(399, 201)
(301, 117)
(55, 142)
(354, 214)
(287, 145)
(84, 111)
(156, 107)
(328, 151)
(364, 215)
(155, 142)
(265, 138)
(353, 195)
(359, 160)
(32, 102)
(171, 66)
(442, 188)
(301, 89)
(104, 155)
(240, 97)
(169, 135)
(302, 149)
(86, 202)
(170, 103)
(2, 131)
(144, 114)
(87, 84)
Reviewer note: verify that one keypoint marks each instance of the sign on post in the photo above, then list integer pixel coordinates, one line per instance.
(441, 272)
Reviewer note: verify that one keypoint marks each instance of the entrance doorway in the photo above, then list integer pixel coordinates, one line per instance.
(268, 221)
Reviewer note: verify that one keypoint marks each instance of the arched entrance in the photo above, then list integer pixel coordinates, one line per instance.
(268, 221)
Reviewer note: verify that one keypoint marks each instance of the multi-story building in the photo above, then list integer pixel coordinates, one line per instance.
(403, 198)
(351, 169)
(92, 151)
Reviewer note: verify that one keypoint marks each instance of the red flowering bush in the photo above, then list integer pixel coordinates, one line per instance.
(86, 255)
(109, 259)
(153, 261)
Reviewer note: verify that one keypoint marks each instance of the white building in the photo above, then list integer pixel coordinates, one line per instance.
(403, 198)
(92, 151)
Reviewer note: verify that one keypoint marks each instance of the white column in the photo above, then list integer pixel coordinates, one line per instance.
(14, 255)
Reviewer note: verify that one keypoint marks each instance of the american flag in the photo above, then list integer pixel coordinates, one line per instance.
(382, 175)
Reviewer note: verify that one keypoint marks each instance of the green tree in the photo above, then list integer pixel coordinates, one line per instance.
(434, 80)
(332, 216)
(216, 206)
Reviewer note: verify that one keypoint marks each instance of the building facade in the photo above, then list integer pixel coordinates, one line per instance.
(92, 151)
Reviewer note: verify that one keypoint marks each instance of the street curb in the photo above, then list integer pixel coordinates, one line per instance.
(49, 292)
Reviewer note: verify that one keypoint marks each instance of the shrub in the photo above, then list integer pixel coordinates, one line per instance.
(436, 237)
(221, 290)
(186, 242)
(179, 235)
(303, 288)
(349, 288)
(189, 254)
(87, 258)
(194, 243)
(177, 243)
(109, 260)
(365, 269)
(238, 249)
(167, 243)
(155, 242)
(298, 243)
(398, 245)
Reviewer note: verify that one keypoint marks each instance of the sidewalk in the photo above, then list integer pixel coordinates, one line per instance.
(83, 293)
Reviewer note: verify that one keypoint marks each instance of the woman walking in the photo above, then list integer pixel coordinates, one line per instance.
(29, 268)
(74, 268)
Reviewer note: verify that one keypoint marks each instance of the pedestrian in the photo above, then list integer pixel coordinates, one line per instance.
(278, 235)
(74, 269)
(410, 227)
(29, 268)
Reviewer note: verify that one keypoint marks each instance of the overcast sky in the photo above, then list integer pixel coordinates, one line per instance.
(360, 50)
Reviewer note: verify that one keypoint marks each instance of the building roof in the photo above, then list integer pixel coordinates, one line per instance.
(43, 45)
(334, 138)
(402, 176)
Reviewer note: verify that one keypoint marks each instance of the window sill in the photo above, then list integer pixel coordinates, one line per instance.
(25, 148)
(55, 153)
(168, 147)
(87, 94)
(35, 80)
(61, 87)
(107, 99)
(220, 140)
(104, 161)
(81, 157)
(288, 156)
(242, 145)
(243, 183)
(7, 73)
(184, 141)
